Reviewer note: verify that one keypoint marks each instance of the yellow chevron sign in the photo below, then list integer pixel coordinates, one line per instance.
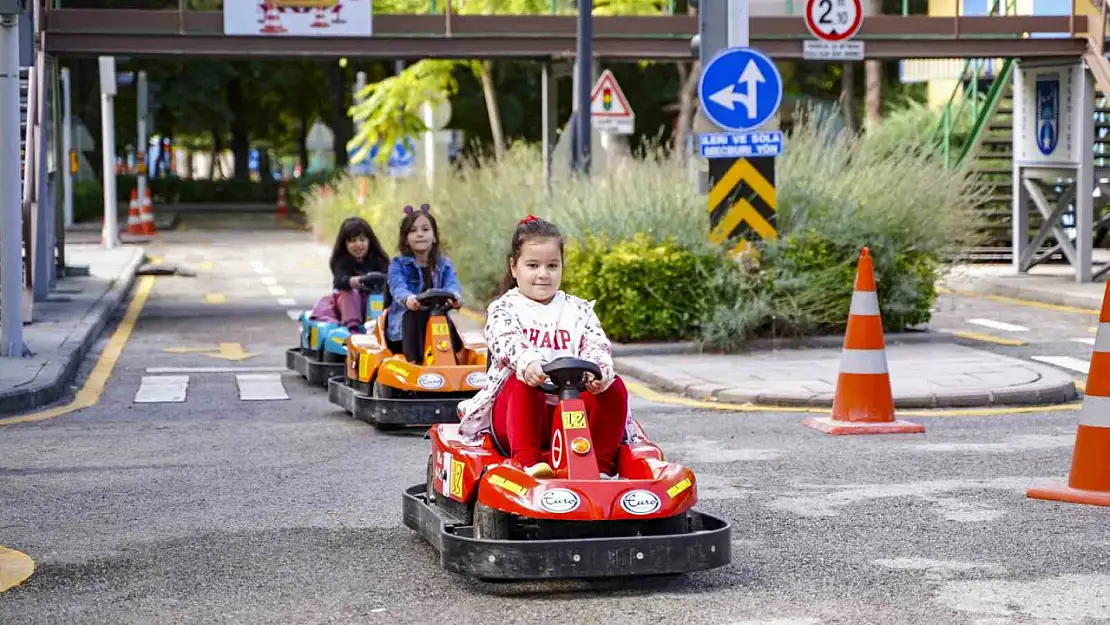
(742, 200)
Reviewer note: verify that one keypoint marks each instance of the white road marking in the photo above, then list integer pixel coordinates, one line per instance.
(1065, 362)
(269, 280)
(1085, 341)
(257, 264)
(215, 369)
(260, 387)
(294, 314)
(287, 301)
(998, 325)
(278, 290)
(262, 271)
(163, 389)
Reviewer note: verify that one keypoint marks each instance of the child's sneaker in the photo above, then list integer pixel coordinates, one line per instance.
(540, 470)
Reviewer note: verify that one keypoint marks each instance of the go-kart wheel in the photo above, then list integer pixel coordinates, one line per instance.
(430, 485)
(490, 524)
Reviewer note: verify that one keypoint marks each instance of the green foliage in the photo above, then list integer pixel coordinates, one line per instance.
(647, 290)
(637, 235)
(88, 200)
(390, 110)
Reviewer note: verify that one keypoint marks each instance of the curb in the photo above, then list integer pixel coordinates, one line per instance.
(771, 344)
(1038, 294)
(1042, 393)
(92, 323)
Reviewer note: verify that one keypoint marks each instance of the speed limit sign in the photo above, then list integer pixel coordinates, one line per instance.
(834, 20)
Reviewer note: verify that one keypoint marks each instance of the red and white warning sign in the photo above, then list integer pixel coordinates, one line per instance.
(834, 20)
(609, 109)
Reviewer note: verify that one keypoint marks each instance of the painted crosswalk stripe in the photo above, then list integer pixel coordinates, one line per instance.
(294, 314)
(269, 280)
(278, 290)
(163, 370)
(286, 301)
(1065, 362)
(260, 387)
(1085, 340)
(162, 389)
(998, 325)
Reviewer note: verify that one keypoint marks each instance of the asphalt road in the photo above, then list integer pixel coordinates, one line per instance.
(222, 510)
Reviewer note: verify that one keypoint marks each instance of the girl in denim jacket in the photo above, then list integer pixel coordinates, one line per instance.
(419, 267)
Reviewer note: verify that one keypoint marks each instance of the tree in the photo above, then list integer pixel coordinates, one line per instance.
(390, 108)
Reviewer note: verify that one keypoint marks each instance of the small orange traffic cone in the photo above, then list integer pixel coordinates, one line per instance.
(134, 218)
(864, 403)
(1089, 482)
(146, 214)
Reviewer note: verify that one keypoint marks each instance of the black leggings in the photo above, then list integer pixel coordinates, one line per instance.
(413, 325)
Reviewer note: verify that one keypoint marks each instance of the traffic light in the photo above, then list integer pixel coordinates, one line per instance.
(607, 98)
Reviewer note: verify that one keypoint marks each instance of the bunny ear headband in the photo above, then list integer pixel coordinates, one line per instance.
(423, 207)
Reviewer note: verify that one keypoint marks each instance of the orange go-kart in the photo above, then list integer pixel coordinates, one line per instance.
(489, 519)
(386, 390)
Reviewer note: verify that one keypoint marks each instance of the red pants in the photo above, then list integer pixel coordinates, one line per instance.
(523, 422)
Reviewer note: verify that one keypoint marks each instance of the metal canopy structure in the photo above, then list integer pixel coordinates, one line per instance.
(132, 32)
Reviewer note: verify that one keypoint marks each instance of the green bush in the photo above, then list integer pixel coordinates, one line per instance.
(647, 291)
(88, 200)
(637, 234)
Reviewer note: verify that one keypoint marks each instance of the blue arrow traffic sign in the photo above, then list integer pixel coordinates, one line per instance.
(740, 89)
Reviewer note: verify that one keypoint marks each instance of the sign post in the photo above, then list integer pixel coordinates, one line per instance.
(834, 23)
(1053, 131)
(740, 91)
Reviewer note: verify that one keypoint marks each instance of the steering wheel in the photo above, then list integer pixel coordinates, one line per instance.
(568, 373)
(373, 279)
(435, 299)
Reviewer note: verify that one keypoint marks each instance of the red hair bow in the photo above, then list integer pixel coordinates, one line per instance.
(529, 219)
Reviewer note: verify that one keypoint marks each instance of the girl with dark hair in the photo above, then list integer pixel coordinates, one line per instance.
(355, 253)
(529, 325)
(420, 267)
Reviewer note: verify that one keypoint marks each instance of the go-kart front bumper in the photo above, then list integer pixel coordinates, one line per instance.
(316, 371)
(391, 412)
(707, 546)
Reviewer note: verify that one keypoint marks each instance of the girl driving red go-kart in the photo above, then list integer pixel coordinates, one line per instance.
(530, 324)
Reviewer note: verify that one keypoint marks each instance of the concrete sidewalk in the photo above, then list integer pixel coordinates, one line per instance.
(66, 325)
(923, 375)
(1048, 284)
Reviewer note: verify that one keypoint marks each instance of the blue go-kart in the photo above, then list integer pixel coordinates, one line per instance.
(322, 352)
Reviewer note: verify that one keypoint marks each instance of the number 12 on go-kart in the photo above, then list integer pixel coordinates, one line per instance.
(834, 20)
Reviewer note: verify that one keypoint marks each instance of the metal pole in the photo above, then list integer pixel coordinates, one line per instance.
(110, 235)
(584, 68)
(546, 113)
(141, 138)
(67, 147)
(738, 23)
(11, 245)
(1085, 176)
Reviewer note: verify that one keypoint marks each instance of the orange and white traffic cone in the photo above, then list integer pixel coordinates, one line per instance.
(864, 402)
(134, 218)
(146, 213)
(272, 25)
(1089, 482)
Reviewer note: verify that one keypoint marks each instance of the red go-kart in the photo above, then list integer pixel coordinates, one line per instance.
(491, 520)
